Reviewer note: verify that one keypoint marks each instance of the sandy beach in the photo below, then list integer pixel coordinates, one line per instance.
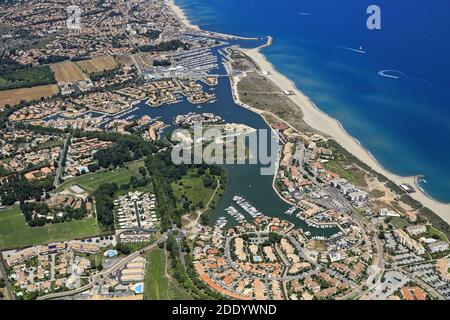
(331, 127)
(319, 120)
(184, 19)
(181, 15)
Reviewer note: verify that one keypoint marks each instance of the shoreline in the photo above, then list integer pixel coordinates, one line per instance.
(319, 120)
(179, 12)
(181, 15)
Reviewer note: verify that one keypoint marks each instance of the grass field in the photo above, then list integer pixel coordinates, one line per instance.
(353, 174)
(67, 72)
(191, 186)
(433, 232)
(399, 223)
(91, 181)
(14, 96)
(14, 232)
(157, 285)
(28, 77)
(99, 64)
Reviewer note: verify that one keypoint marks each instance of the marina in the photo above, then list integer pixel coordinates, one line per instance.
(311, 224)
(239, 217)
(247, 207)
(245, 181)
(290, 211)
(221, 223)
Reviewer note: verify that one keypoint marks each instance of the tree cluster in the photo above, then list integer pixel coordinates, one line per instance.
(104, 204)
(171, 45)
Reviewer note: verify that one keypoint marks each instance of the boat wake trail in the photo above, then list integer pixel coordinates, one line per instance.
(390, 74)
(360, 50)
(396, 74)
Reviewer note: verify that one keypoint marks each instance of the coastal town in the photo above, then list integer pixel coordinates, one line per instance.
(93, 207)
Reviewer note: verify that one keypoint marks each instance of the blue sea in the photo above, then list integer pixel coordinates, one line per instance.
(403, 118)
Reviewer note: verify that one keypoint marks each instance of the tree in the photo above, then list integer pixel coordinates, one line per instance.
(104, 203)
(39, 222)
(274, 237)
(8, 199)
(123, 248)
(143, 171)
(134, 182)
(93, 167)
(161, 63)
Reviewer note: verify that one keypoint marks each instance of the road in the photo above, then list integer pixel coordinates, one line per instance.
(60, 163)
(138, 214)
(358, 219)
(379, 261)
(99, 276)
(52, 266)
(138, 67)
(286, 267)
(8, 288)
(2, 50)
(429, 288)
(231, 263)
(133, 56)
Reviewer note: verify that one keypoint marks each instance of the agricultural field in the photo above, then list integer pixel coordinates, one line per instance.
(15, 96)
(26, 78)
(158, 284)
(97, 65)
(91, 181)
(14, 232)
(67, 72)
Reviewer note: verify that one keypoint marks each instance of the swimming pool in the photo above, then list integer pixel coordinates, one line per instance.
(139, 288)
(111, 253)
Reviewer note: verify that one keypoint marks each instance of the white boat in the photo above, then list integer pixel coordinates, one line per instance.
(247, 207)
